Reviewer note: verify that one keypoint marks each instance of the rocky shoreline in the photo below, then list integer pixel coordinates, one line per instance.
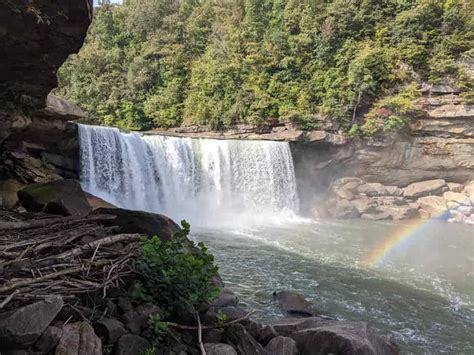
(352, 197)
(73, 280)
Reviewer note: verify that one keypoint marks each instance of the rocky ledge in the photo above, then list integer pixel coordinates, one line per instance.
(286, 131)
(352, 197)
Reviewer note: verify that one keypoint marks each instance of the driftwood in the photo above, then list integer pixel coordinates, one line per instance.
(12, 226)
(205, 327)
(67, 257)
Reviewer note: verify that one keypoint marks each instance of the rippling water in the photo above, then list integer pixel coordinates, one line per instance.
(422, 293)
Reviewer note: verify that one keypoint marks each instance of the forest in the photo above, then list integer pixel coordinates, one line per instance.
(344, 65)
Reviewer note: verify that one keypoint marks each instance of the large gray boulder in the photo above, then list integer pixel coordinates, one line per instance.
(245, 344)
(22, 327)
(77, 339)
(432, 206)
(282, 346)
(62, 197)
(425, 188)
(219, 349)
(348, 338)
(373, 189)
(399, 212)
(316, 335)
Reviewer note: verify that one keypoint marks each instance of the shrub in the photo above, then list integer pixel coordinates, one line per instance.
(176, 274)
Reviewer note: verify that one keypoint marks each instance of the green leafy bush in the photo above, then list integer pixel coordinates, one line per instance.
(177, 273)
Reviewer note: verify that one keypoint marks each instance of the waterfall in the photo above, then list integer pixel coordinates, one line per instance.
(205, 181)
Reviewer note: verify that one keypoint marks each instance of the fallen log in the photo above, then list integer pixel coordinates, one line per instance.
(71, 220)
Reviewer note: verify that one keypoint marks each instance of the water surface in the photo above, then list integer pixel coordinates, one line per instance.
(422, 292)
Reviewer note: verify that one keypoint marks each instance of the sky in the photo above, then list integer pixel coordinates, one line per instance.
(96, 2)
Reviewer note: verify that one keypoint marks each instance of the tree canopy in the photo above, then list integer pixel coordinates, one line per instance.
(162, 63)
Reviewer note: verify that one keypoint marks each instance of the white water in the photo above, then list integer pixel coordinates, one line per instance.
(206, 181)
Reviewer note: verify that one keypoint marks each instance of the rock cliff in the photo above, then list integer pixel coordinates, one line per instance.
(36, 141)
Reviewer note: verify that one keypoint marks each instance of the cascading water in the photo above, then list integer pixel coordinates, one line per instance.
(206, 181)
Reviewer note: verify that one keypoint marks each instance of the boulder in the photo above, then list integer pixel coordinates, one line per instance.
(245, 344)
(17, 330)
(109, 330)
(363, 204)
(146, 223)
(282, 346)
(287, 327)
(96, 202)
(399, 212)
(77, 339)
(343, 193)
(425, 188)
(457, 197)
(219, 349)
(466, 210)
(226, 298)
(372, 189)
(60, 107)
(130, 344)
(344, 337)
(63, 197)
(293, 302)
(212, 335)
(137, 319)
(48, 340)
(380, 216)
(455, 187)
(343, 209)
(433, 205)
(394, 191)
(8, 193)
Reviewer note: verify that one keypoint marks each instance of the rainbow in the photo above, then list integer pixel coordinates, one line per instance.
(399, 238)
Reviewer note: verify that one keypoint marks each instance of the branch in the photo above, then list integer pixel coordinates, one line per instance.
(8, 226)
(205, 327)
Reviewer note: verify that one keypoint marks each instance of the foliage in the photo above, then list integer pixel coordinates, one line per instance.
(175, 274)
(161, 63)
(158, 326)
(221, 318)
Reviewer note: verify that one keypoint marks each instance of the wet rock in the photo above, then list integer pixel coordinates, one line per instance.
(233, 313)
(48, 340)
(242, 341)
(349, 338)
(425, 188)
(150, 224)
(109, 330)
(282, 346)
(287, 327)
(399, 212)
(226, 298)
(293, 302)
(79, 338)
(372, 189)
(63, 197)
(17, 330)
(130, 344)
(219, 349)
(433, 205)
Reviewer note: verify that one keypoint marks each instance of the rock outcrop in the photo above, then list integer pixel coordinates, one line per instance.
(352, 197)
(35, 39)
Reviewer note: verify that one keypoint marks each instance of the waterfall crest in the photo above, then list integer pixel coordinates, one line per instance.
(206, 181)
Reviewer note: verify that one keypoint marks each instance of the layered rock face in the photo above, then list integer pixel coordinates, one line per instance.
(36, 141)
